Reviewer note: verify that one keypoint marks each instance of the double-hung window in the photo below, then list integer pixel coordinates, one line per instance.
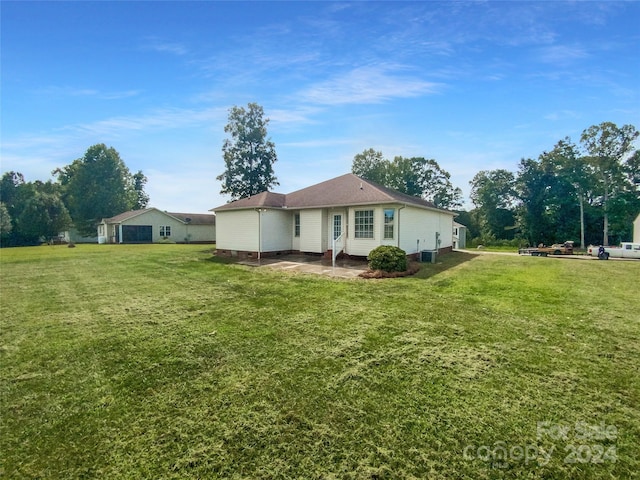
(389, 215)
(165, 230)
(363, 224)
(296, 227)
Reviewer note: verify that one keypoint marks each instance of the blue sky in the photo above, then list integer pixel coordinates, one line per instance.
(474, 85)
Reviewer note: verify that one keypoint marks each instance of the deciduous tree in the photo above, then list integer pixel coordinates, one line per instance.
(609, 148)
(416, 176)
(5, 222)
(248, 155)
(43, 215)
(98, 185)
(493, 194)
(371, 165)
(142, 199)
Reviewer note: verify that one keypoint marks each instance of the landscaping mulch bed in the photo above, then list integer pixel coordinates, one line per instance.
(413, 268)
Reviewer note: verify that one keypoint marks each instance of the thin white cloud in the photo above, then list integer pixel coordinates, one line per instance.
(157, 45)
(562, 114)
(366, 85)
(292, 117)
(120, 95)
(58, 91)
(156, 120)
(319, 143)
(562, 53)
(58, 147)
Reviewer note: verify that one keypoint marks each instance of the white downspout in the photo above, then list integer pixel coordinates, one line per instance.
(403, 206)
(259, 233)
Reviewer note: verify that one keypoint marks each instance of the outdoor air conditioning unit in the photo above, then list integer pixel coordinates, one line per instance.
(428, 256)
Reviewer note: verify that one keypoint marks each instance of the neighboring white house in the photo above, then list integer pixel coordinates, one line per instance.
(459, 235)
(73, 236)
(636, 229)
(151, 225)
(345, 214)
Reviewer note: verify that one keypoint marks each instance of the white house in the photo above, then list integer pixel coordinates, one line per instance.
(459, 235)
(636, 229)
(345, 214)
(151, 225)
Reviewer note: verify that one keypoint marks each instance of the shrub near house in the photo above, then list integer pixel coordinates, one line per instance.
(388, 258)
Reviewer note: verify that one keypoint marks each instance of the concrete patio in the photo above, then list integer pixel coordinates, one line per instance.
(345, 268)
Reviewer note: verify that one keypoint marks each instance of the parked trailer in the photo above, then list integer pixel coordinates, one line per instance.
(625, 250)
(565, 248)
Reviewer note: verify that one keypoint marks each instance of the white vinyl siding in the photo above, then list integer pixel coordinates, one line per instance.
(274, 223)
(418, 228)
(413, 229)
(312, 231)
(237, 230)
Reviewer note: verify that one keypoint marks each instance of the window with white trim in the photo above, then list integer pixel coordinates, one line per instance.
(389, 216)
(363, 224)
(165, 230)
(296, 232)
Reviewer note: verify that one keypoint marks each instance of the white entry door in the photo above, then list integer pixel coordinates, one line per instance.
(337, 226)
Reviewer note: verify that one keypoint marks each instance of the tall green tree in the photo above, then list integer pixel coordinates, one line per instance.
(44, 215)
(14, 193)
(434, 183)
(248, 155)
(5, 222)
(416, 176)
(493, 194)
(34, 210)
(371, 165)
(98, 185)
(532, 187)
(567, 163)
(142, 199)
(609, 148)
(10, 186)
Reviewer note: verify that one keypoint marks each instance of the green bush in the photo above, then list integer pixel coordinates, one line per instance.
(388, 259)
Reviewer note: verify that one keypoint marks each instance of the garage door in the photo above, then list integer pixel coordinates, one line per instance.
(137, 234)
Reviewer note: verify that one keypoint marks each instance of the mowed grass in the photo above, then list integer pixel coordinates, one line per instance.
(161, 361)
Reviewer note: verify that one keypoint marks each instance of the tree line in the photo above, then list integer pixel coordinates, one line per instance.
(98, 185)
(587, 192)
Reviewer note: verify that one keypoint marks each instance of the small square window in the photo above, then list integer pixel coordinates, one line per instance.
(165, 230)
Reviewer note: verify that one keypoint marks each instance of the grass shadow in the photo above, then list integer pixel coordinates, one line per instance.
(444, 263)
(213, 258)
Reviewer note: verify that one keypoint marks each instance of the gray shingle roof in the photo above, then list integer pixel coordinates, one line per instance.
(196, 218)
(348, 189)
(126, 215)
(264, 199)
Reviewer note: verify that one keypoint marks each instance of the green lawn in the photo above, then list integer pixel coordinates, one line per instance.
(161, 361)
